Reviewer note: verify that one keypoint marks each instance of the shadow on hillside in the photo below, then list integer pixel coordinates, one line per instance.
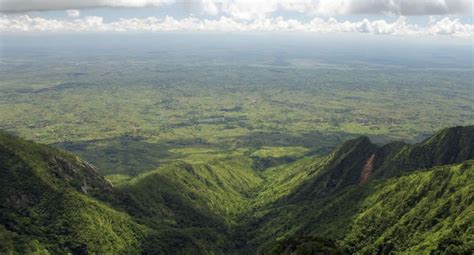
(317, 142)
(132, 155)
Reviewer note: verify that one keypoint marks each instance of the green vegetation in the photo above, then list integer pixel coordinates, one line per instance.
(322, 196)
(52, 201)
(303, 246)
(436, 214)
(204, 149)
(361, 198)
(222, 187)
(129, 114)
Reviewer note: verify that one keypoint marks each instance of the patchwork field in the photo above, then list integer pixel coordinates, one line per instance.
(128, 112)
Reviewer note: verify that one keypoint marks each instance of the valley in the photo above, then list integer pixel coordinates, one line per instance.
(224, 205)
(182, 143)
(128, 113)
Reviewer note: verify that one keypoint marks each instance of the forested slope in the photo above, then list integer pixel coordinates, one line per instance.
(361, 198)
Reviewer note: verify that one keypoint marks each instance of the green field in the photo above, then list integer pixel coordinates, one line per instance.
(129, 114)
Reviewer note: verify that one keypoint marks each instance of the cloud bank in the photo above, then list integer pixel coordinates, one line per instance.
(46, 5)
(25, 23)
(248, 9)
(251, 9)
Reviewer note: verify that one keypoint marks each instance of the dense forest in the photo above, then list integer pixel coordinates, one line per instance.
(361, 198)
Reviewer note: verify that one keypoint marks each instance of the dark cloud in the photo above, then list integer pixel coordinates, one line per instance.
(260, 8)
(411, 7)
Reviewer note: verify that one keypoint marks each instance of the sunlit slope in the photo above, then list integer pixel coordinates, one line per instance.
(194, 204)
(361, 198)
(50, 200)
(221, 188)
(423, 212)
(53, 201)
(426, 211)
(447, 146)
(321, 196)
(359, 160)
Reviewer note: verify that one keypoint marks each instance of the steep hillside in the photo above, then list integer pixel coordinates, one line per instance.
(222, 187)
(51, 200)
(361, 198)
(358, 160)
(342, 168)
(421, 212)
(451, 145)
(322, 196)
(302, 246)
(427, 211)
(200, 200)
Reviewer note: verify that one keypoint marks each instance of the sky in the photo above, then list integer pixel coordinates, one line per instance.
(440, 18)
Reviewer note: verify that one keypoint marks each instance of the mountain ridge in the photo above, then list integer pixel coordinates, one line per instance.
(225, 206)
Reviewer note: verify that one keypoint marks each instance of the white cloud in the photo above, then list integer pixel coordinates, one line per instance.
(25, 23)
(73, 13)
(454, 27)
(210, 7)
(250, 9)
